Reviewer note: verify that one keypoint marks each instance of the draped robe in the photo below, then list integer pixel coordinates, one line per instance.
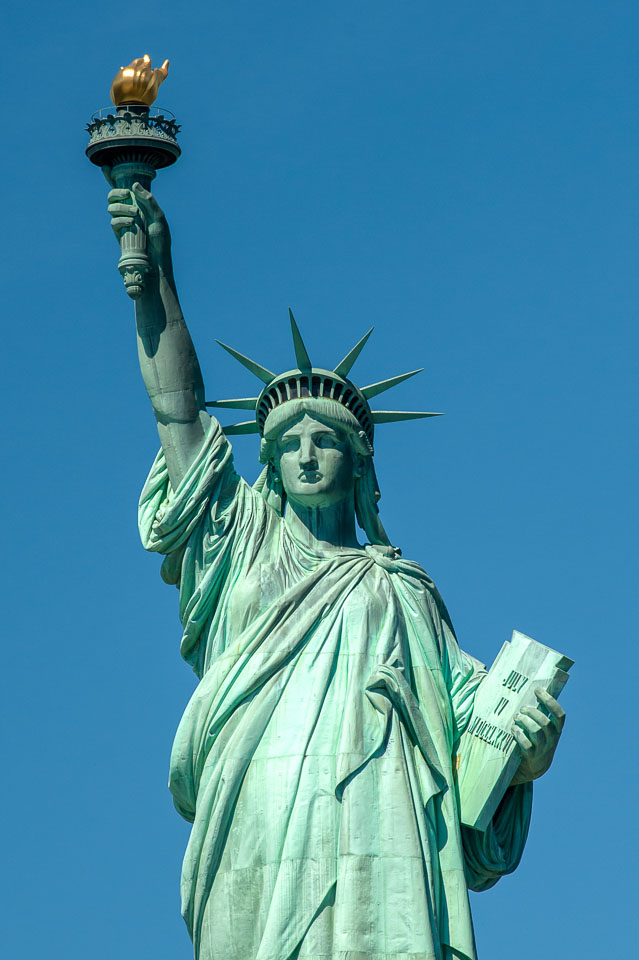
(316, 757)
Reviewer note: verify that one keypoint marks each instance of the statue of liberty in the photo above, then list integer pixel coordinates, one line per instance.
(316, 758)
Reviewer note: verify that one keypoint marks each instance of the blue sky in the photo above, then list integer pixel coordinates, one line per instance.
(462, 176)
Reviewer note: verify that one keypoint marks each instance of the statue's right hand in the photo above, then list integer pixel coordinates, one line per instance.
(125, 205)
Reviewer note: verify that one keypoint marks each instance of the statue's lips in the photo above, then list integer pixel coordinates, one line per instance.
(310, 476)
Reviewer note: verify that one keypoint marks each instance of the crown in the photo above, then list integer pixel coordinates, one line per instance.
(307, 381)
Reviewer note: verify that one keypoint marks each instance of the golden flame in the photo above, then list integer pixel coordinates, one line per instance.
(138, 83)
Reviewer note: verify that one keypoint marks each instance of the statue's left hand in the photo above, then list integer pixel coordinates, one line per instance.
(537, 736)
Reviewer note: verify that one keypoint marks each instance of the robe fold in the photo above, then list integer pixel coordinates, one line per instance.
(315, 758)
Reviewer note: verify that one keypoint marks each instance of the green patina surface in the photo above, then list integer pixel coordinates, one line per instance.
(317, 757)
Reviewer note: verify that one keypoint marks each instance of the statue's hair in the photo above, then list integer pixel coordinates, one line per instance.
(320, 408)
(332, 413)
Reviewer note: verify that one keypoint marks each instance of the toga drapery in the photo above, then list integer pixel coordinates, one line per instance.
(315, 758)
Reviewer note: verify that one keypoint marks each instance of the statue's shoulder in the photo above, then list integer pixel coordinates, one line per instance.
(392, 560)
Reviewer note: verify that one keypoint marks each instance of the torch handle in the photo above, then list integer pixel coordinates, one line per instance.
(134, 263)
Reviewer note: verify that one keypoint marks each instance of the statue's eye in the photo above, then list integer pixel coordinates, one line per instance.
(289, 444)
(326, 440)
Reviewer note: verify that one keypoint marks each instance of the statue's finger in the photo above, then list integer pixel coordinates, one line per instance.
(146, 200)
(521, 738)
(118, 194)
(537, 715)
(122, 209)
(546, 698)
(556, 711)
(121, 223)
(531, 728)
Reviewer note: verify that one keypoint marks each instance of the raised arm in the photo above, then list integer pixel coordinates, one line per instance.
(168, 361)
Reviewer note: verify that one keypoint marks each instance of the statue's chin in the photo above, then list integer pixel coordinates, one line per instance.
(311, 499)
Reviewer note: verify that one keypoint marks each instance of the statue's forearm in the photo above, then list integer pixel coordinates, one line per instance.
(171, 374)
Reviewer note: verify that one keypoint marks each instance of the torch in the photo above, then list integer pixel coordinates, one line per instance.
(132, 143)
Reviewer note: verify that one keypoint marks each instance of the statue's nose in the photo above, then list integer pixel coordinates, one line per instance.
(307, 454)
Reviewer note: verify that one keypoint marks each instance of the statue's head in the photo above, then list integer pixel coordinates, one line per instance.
(316, 461)
(317, 454)
(317, 434)
(317, 451)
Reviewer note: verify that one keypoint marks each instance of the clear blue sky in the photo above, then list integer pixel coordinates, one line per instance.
(464, 177)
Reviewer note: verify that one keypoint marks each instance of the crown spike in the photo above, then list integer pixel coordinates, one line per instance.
(394, 416)
(243, 403)
(234, 429)
(257, 369)
(343, 368)
(374, 388)
(301, 355)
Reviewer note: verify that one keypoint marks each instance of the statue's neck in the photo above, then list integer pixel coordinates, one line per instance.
(321, 528)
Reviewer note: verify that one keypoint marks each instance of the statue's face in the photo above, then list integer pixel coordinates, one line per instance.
(317, 464)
